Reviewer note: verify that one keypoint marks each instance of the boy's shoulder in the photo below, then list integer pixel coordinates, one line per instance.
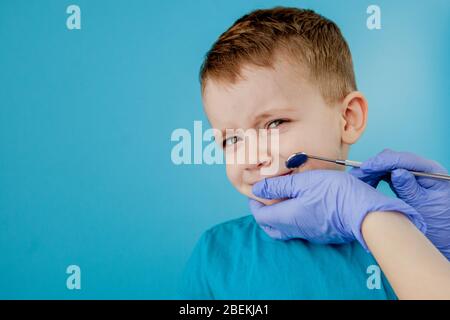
(247, 221)
(239, 229)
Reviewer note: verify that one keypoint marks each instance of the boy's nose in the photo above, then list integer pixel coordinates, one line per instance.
(263, 160)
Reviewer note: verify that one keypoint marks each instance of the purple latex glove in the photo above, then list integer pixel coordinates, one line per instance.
(322, 206)
(429, 197)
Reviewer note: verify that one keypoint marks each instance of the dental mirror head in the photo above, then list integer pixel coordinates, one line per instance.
(296, 160)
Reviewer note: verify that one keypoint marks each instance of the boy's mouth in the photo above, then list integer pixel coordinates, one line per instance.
(273, 176)
(277, 175)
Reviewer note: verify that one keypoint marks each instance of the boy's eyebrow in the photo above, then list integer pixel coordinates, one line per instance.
(268, 114)
(262, 116)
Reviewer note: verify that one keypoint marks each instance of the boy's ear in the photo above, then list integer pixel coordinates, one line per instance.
(353, 116)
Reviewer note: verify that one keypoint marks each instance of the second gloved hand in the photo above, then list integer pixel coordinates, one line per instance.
(322, 206)
(429, 197)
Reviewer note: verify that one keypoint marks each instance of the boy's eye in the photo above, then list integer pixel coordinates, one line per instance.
(230, 141)
(275, 123)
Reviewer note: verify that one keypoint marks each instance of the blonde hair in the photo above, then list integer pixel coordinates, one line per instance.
(307, 37)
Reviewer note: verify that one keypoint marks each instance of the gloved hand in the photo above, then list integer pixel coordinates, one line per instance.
(322, 206)
(429, 197)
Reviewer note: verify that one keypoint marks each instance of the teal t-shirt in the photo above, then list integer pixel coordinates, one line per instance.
(238, 260)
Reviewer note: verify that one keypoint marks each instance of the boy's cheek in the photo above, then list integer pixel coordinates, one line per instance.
(232, 174)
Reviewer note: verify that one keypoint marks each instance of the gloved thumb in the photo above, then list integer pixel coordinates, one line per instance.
(275, 188)
(405, 184)
(370, 178)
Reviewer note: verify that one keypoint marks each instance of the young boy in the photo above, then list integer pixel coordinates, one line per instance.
(292, 70)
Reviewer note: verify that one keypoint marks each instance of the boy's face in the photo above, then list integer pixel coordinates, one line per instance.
(280, 98)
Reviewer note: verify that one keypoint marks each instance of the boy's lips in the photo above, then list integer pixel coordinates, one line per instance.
(281, 175)
(274, 176)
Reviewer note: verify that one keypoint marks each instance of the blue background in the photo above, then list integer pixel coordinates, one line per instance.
(86, 117)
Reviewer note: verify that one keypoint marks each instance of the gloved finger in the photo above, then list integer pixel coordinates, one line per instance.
(370, 178)
(263, 214)
(254, 205)
(256, 208)
(274, 215)
(273, 233)
(275, 188)
(389, 160)
(405, 185)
